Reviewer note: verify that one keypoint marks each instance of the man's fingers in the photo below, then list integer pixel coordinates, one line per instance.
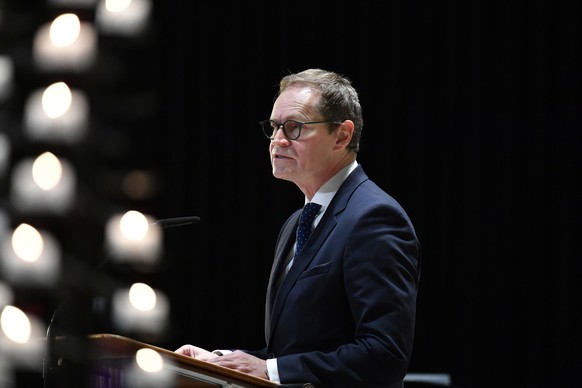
(185, 350)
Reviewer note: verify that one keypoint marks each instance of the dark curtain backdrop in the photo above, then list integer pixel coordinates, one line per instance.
(472, 122)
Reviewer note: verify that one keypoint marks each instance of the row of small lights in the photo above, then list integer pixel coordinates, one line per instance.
(59, 114)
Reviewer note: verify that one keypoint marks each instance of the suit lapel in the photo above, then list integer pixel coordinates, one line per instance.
(284, 244)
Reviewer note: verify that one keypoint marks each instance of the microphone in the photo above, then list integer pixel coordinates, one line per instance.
(178, 221)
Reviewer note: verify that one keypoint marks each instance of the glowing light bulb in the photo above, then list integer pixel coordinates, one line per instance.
(140, 308)
(57, 100)
(133, 237)
(27, 243)
(117, 5)
(65, 30)
(142, 297)
(134, 225)
(149, 360)
(125, 17)
(15, 324)
(47, 171)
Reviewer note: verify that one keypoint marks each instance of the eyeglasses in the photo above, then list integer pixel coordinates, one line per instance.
(291, 128)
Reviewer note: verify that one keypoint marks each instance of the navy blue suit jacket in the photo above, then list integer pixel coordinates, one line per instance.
(344, 315)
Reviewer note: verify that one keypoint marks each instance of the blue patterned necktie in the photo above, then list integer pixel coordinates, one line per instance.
(306, 219)
(308, 215)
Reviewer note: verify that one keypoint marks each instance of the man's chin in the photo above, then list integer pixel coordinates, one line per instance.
(286, 176)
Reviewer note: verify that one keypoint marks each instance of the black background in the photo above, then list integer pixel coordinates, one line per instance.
(471, 121)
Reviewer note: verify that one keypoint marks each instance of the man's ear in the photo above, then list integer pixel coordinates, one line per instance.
(344, 133)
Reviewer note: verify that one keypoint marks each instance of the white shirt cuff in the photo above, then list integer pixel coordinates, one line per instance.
(273, 370)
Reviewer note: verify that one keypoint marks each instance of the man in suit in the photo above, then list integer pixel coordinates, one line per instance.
(341, 303)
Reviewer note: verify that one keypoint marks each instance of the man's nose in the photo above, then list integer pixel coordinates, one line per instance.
(279, 135)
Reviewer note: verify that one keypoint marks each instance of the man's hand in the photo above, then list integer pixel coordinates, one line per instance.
(196, 352)
(243, 362)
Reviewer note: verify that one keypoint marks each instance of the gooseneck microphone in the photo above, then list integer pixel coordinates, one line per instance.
(178, 221)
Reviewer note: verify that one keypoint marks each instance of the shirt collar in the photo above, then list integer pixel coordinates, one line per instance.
(325, 194)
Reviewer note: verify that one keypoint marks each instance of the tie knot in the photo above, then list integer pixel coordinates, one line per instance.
(311, 209)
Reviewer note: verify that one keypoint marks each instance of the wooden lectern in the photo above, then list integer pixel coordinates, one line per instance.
(112, 359)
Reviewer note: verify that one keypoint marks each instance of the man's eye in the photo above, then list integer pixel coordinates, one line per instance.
(291, 125)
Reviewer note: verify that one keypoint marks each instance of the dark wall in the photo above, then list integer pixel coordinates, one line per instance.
(472, 122)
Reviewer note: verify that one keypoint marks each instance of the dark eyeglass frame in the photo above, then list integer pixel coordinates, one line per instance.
(271, 130)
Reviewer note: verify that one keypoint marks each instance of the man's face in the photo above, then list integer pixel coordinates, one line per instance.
(307, 160)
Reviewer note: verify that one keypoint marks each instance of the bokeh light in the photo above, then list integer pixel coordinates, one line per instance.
(65, 30)
(149, 360)
(66, 43)
(133, 237)
(44, 185)
(117, 5)
(123, 17)
(15, 324)
(21, 338)
(56, 100)
(27, 243)
(140, 309)
(30, 257)
(142, 297)
(134, 225)
(56, 114)
(47, 171)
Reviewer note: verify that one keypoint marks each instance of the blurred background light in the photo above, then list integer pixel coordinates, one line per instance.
(123, 17)
(149, 360)
(27, 243)
(56, 100)
(47, 171)
(134, 225)
(140, 309)
(65, 30)
(6, 77)
(4, 153)
(56, 114)
(30, 257)
(142, 297)
(148, 371)
(139, 184)
(116, 6)
(40, 126)
(65, 44)
(21, 337)
(133, 237)
(45, 185)
(15, 324)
